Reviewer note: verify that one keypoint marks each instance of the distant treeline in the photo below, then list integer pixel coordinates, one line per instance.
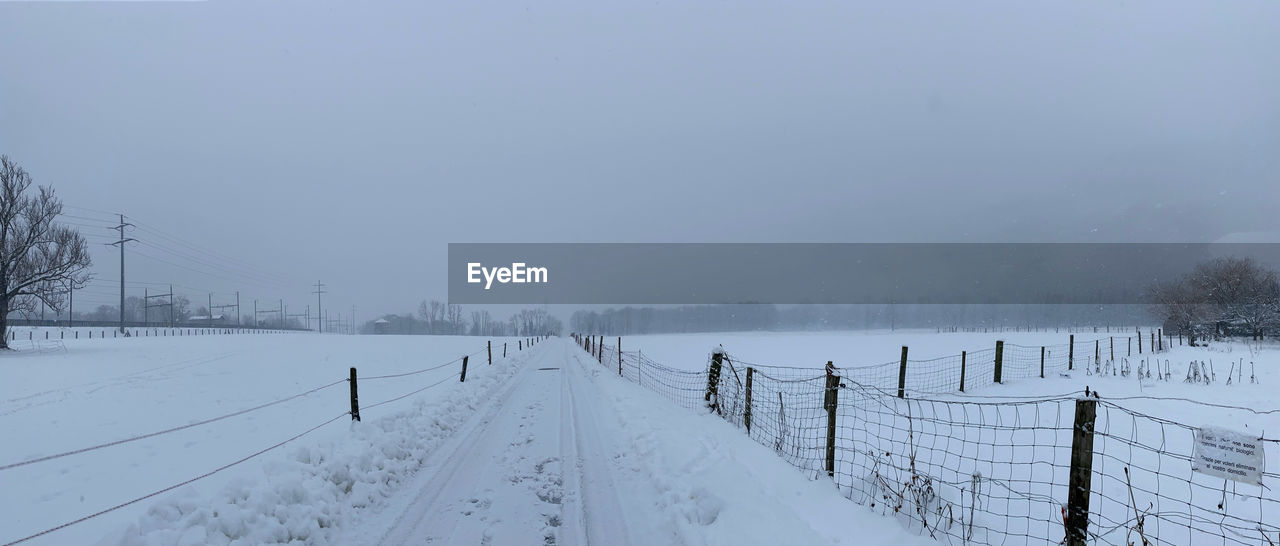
(439, 318)
(748, 317)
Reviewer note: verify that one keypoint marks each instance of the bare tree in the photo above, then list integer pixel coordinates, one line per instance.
(39, 259)
(457, 323)
(1240, 290)
(1182, 306)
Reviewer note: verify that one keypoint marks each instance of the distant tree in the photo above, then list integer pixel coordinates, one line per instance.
(1240, 290)
(457, 323)
(1181, 305)
(39, 259)
(182, 309)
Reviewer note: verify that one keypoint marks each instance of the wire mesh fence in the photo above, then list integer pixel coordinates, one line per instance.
(980, 472)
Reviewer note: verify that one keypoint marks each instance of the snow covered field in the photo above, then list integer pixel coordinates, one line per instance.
(99, 391)
(550, 445)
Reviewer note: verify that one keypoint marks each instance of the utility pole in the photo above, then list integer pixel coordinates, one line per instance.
(121, 243)
(255, 313)
(282, 314)
(352, 329)
(319, 308)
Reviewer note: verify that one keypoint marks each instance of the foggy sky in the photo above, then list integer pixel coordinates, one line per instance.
(351, 142)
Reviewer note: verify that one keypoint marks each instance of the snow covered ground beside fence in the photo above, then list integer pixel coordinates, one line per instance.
(101, 391)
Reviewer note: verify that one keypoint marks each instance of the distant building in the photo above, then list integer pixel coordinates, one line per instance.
(381, 326)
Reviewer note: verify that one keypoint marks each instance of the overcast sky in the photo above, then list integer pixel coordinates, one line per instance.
(351, 142)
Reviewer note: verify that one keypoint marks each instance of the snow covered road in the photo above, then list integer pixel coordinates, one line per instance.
(566, 454)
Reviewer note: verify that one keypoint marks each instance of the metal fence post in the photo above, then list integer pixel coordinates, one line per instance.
(746, 412)
(832, 401)
(355, 400)
(902, 374)
(999, 360)
(463, 377)
(1071, 352)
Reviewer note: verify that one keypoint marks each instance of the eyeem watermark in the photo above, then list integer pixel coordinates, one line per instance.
(518, 273)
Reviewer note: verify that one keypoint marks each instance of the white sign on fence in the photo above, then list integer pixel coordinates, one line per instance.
(1228, 454)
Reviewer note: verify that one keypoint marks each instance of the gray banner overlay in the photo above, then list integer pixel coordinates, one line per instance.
(829, 273)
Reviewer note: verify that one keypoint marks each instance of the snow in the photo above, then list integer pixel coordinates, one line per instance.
(103, 390)
(546, 443)
(1145, 426)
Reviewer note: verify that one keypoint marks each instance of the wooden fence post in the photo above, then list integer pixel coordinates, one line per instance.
(463, 377)
(1113, 348)
(488, 347)
(713, 380)
(1160, 336)
(902, 374)
(746, 412)
(619, 355)
(1079, 480)
(1071, 352)
(355, 400)
(999, 360)
(1097, 351)
(1139, 341)
(962, 359)
(519, 344)
(833, 391)
(504, 349)
(1042, 362)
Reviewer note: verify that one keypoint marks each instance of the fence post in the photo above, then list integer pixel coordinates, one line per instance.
(1129, 344)
(746, 412)
(519, 345)
(1081, 473)
(355, 400)
(1097, 351)
(488, 347)
(713, 379)
(999, 360)
(1113, 348)
(902, 374)
(833, 390)
(504, 349)
(1139, 341)
(1071, 352)
(463, 378)
(1160, 336)
(619, 355)
(1042, 362)
(962, 359)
